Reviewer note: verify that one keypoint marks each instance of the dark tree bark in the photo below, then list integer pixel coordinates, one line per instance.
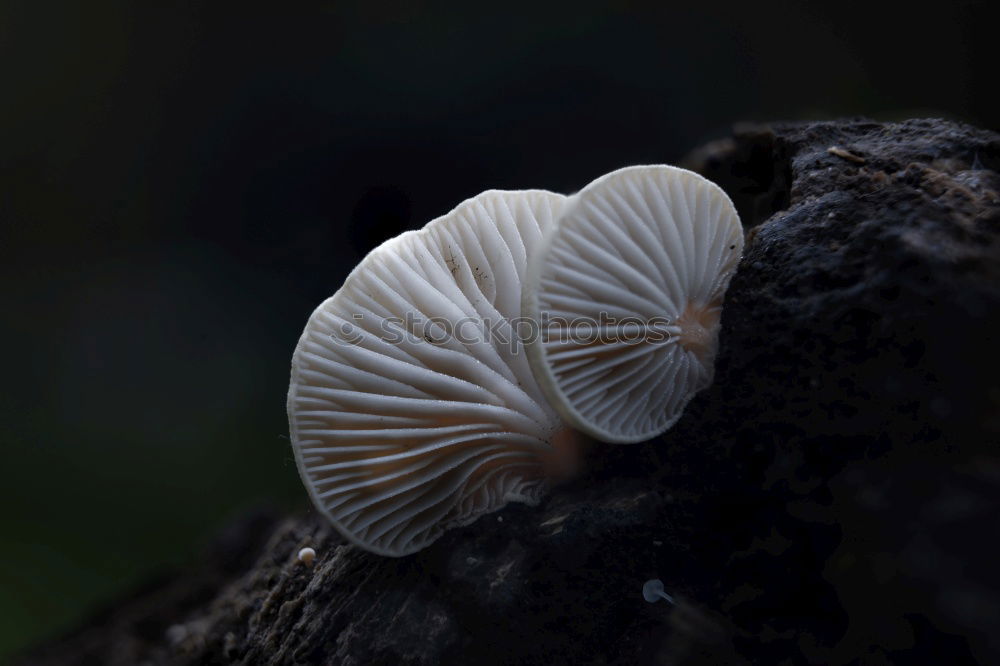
(834, 496)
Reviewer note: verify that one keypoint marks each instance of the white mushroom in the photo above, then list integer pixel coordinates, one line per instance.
(652, 591)
(412, 407)
(628, 291)
(307, 555)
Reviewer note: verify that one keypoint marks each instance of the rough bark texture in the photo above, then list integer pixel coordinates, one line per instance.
(833, 498)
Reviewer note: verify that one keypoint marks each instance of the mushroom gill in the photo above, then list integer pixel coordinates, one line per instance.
(631, 280)
(412, 407)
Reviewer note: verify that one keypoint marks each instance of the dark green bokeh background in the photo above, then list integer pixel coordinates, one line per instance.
(180, 186)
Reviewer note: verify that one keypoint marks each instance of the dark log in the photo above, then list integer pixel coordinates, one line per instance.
(834, 496)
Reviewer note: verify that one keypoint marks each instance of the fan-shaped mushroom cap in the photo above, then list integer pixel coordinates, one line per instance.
(628, 292)
(412, 407)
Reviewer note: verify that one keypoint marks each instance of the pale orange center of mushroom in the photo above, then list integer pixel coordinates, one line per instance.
(699, 326)
(565, 459)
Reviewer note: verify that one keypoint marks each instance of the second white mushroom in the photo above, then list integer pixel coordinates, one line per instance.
(628, 290)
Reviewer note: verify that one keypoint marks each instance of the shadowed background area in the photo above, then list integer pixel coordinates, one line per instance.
(180, 187)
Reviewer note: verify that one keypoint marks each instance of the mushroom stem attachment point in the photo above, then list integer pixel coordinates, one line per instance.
(699, 329)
